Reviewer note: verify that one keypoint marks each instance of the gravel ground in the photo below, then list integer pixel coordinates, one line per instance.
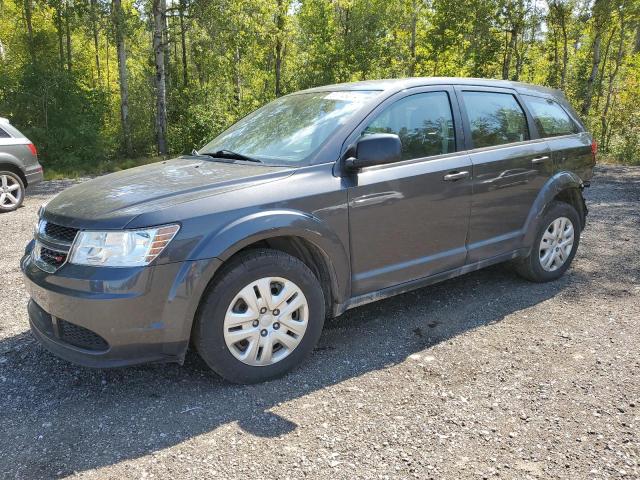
(483, 376)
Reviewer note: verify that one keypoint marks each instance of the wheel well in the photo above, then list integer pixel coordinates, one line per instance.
(573, 196)
(15, 169)
(312, 256)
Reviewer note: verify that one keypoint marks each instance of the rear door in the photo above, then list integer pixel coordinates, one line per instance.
(409, 219)
(510, 165)
(570, 145)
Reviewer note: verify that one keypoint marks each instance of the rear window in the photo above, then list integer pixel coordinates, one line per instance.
(4, 134)
(551, 119)
(495, 118)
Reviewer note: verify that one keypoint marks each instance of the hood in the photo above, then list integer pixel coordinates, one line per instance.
(113, 200)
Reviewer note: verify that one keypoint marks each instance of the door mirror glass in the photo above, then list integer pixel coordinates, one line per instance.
(375, 149)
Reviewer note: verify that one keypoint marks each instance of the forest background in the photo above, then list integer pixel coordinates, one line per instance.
(101, 85)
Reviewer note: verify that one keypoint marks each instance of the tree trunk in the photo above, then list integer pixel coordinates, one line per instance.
(280, 19)
(506, 65)
(159, 45)
(96, 44)
(412, 39)
(603, 67)
(68, 34)
(27, 16)
(106, 47)
(118, 22)
(237, 81)
(595, 62)
(60, 34)
(183, 44)
(612, 77)
(565, 46)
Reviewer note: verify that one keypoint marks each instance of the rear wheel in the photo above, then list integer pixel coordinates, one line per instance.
(261, 317)
(555, 244)
(11, 191)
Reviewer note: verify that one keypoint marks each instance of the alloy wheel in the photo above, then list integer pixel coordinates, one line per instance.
(266, 321)
(556, 244)
(10, 191)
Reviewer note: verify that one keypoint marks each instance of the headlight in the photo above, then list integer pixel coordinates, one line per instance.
(126, 248)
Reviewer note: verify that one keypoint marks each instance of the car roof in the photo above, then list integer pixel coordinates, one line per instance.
(4, 120)
(398, 84)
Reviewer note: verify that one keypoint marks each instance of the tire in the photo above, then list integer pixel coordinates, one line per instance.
(232, 298)
(533, 266)
(11, 191)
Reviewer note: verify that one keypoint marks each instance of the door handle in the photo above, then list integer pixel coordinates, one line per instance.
(453, 176)
(538, 160)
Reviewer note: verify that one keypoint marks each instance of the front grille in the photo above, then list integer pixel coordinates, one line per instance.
(52, 257)
(80, 336)
(59, 232)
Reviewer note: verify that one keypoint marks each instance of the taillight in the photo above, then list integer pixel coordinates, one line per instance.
(32, 148)
(594, 149)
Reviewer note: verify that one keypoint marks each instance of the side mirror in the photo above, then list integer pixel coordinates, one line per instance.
(375, 149)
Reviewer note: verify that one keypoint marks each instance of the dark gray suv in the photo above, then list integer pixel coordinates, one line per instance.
(318, 202)
(19, 166)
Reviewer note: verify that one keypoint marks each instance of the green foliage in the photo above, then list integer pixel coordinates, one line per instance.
(61, 87)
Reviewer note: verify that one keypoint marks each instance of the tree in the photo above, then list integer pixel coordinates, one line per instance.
(99, 79)
(119, 28)
(159, 51)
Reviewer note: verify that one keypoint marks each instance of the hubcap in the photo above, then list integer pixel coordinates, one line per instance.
(266, 321)
(556, 244)
(10, 191)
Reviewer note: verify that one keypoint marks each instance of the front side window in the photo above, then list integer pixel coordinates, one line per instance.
(423, 122)
(290, 129)
(551, 119)
(495, 118)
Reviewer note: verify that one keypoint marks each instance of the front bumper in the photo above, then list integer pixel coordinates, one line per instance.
(109, 317)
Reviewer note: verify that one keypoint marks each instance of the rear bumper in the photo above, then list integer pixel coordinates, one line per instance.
(34, 175)
(110, 317)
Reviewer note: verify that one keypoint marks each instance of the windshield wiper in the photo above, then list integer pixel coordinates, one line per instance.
(231, 155)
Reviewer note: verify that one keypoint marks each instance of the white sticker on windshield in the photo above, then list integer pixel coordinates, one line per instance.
(346, 96)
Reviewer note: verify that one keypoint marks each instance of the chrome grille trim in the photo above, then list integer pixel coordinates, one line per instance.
(42, 240)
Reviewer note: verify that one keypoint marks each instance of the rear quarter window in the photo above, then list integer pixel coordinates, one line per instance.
(494, 118)
(550, 118)
(4, 134)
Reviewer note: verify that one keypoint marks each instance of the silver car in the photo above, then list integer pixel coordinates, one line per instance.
(19, 166)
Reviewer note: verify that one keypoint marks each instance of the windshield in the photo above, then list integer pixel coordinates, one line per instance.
(290, 129)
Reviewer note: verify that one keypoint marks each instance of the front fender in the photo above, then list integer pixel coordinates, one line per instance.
(557, 183)
(263, 225)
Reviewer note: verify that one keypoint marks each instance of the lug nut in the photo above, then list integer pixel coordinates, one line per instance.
(255, 323)
(276, 312)
(264, 332)
(263, 310)
(276, 326)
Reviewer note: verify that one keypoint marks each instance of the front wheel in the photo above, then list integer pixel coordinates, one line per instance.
(262, 315)
(555, 244)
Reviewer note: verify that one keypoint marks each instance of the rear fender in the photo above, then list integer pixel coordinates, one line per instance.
(556, 184)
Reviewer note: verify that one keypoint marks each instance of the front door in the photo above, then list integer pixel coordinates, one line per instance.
(409, 219)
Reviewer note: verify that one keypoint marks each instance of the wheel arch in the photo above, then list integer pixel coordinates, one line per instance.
(563, 186)
(296, 233)
(11, 166)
